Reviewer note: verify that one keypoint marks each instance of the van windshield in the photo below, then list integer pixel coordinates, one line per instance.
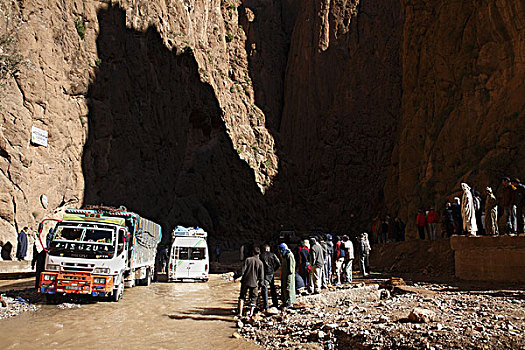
(190, 253)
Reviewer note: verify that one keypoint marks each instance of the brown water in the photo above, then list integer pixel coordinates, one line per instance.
(140, 320)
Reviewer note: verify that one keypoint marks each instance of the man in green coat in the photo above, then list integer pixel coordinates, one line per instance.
(287, 276)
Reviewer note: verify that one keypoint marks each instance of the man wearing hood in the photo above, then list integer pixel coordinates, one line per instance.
(287, 276)
(491, 213)
(467, 211)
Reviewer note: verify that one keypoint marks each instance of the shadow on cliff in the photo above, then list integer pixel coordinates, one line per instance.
(157, 143)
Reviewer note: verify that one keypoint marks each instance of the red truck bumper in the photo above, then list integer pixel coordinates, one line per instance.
(75, 283)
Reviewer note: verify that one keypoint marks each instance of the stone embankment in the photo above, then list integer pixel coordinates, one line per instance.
(417, 316)
(497, 259)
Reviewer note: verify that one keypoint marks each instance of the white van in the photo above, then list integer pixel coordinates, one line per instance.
(189, 258)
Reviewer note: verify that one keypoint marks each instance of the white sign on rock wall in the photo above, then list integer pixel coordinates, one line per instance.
(38, 136)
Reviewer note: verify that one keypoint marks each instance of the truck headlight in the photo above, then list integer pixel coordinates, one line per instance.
(49, 277)
(53, 267)
(99, 280)
(101, 270)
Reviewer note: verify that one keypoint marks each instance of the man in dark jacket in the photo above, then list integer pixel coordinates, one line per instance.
(324, 276)
(316, 263)
(252, 277)
(271, 263)
(509, 205)
(448, 220)
(455, 207)
(21, 248)
(328, 260)
(304, 262)
(520, 205)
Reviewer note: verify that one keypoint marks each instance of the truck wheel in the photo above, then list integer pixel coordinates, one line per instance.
(117, 293)
(147, 280)
(52, 299)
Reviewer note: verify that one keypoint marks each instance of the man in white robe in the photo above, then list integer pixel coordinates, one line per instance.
(467, 211)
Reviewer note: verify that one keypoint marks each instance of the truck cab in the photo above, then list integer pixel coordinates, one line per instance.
(86, 257)
(98, 252)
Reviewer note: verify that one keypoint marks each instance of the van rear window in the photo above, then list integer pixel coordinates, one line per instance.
(187, 253)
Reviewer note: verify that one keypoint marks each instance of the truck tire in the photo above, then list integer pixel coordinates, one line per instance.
(147, 281)
(52, 299)
(117, 293)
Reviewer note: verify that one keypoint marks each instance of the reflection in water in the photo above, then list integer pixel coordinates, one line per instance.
(200, 316)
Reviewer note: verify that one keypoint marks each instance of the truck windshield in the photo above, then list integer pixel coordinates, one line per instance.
(85, 240)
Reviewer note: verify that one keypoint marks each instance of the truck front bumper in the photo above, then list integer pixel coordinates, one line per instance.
(75, 283)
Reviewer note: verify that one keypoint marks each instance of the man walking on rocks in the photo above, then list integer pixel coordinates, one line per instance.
(287, 276)
(252, 278)
(316, 263)
(271, 263)
(349, 259)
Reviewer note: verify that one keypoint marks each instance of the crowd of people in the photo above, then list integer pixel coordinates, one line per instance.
(316, 263)
(471, 215)
(385, 229)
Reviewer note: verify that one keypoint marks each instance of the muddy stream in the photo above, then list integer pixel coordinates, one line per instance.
(201, 317)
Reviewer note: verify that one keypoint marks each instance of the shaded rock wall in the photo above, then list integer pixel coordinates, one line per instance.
(157, 143)
(341, 103)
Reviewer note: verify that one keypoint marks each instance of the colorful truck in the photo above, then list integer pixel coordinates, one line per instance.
(98, 252)
(189, 257)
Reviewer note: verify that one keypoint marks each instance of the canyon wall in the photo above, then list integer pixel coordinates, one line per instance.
(242, 116)
(463, 102)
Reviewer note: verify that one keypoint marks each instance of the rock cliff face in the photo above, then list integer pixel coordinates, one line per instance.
(241, 116)
(463, 102)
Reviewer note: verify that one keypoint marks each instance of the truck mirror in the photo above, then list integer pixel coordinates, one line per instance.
(122, 239)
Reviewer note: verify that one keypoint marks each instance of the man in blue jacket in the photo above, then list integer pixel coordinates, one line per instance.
(21, 249)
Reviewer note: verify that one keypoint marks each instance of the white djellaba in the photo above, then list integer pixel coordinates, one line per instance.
(467, 211)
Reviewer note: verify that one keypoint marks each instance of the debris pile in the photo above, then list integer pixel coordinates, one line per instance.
(420, 316)
(13, 306)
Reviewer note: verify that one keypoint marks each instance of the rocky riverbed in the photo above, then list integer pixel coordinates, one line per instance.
(414, 316)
